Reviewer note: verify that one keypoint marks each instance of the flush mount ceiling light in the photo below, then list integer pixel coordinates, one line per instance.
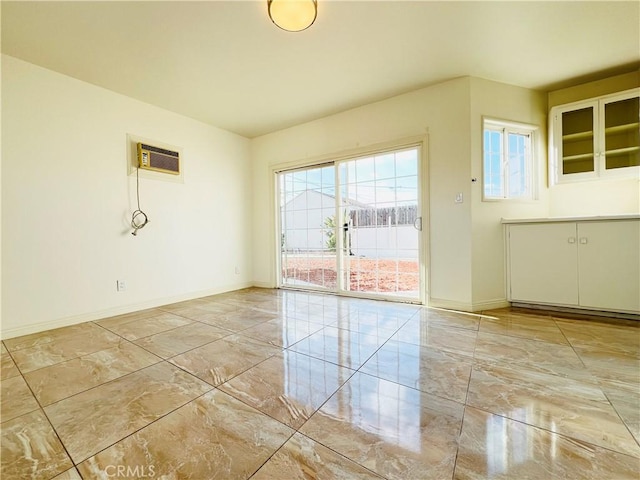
(293, 15)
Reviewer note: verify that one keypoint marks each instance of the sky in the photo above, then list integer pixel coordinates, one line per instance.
(381, 179)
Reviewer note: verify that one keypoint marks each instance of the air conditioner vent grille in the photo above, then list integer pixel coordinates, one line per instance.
(158, 159)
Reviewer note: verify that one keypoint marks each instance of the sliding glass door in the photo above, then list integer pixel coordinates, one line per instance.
(353, 226)
(307, 228)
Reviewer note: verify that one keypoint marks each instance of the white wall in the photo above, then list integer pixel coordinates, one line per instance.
(67, 201)
(441, 110)
(601, 197)
(505, 102)
(1, 103)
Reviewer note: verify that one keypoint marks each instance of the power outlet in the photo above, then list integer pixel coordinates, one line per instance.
(121, 285)
(237, 270)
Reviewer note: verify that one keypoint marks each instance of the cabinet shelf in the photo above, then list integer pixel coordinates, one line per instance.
(576, 158)
(622, 128)
(621, 151)
(577, 136)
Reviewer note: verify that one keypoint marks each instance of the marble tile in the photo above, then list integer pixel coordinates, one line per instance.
(301, 459)
(218, 308)
(289, 386)
(393, 430)
(238, 321)
(203, 316)
(64, 379)
(93, 420)
(281, 332)
(343, 347)
(271, 306)
(195, 310)
(56, 334)
(373, 323)
(16, 399)
(494, 447)
(625, 398)
(525, 326)
(405, 311)
(547, 396)
(223, 359)
(178, 308)
(544, 357)
(434, 335)
(149, 326)
(71, 474)
(560, 405)
(63, 349)
(30, 449)
(450, 318)
(190, 312)
(247, 295)
(8, 367)
(426, 369)
(318, 319)
(517, 312)
(212, 437)
(616, 338)
(129, 317)
(179, 340)
(319, 311)
(609, 365)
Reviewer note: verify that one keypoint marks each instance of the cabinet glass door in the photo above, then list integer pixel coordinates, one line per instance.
(578, 141)
(622, 134)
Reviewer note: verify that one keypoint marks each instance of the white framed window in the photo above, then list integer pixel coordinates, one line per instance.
(508, 160)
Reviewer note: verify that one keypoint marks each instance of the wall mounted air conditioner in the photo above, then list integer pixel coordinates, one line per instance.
(158, 159)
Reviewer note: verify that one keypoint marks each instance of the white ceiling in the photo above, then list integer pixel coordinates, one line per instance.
(226, 64)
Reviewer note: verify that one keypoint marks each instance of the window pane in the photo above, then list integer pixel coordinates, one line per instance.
(517, 168)
(385, 166)
(622, 136)
(493, 174)
(577, 141)
(406, 162)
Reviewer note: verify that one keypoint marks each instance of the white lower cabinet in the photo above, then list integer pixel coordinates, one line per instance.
(591, 264)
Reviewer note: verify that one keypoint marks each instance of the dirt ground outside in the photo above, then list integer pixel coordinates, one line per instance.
(366, 274)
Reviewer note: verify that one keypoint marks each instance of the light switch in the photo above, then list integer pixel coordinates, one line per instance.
(459, 197)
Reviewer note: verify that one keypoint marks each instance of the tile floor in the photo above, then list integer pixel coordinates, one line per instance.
(270, 384)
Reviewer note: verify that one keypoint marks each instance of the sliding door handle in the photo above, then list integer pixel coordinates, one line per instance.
(417, 224)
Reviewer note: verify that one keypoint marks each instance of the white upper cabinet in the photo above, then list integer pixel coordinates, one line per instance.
(596, 138)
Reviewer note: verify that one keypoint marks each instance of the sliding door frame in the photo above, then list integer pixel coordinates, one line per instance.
(419, 142)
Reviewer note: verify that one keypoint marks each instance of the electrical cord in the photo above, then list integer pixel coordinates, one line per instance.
(138, 219)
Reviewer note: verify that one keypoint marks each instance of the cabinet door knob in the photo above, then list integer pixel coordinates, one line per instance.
(583, 240)
(571, 239)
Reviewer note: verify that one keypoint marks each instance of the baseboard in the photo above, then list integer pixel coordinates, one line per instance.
(578, 312)
(263, 285)
(112, 312)
(468, 307)
(491, 304)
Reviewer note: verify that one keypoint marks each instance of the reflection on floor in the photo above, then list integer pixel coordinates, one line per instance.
(269, 384)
